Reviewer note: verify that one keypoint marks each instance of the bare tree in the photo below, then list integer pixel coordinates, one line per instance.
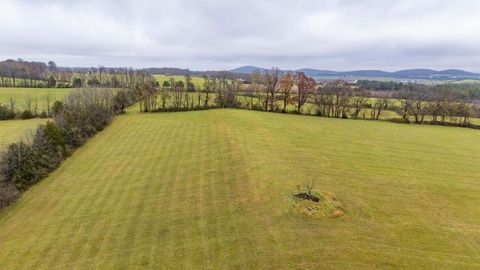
(419, 102)
(272, 85)
(381, 103)
(101, 69)
(405, 95)
(306, 86)
(258, 88)
(341, 97)
(28, 102)
(178, 90)
(286, 85)
(52, 67)
(359, 101)
(48, 102)
(12, 104)
(464, 109)
(35, 106)
(209, 86)
(164, 96)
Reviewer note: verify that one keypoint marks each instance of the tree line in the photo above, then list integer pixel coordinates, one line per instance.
(82, 114)
(35, 107)
(21, 73)
(41, 107)
(297, 93)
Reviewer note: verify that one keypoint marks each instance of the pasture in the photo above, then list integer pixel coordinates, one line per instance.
(213, 190)
(13, 130)
(197, 81)
(21, 94)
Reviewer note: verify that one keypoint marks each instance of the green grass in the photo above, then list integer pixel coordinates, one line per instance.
(472, 81)
(14, 130)
(211, 190)
(197, 81)
(20, 94)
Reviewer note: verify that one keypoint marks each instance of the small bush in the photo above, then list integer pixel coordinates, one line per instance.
(27, 115)
(6, 113)
(19, 166)
(183, 109)
(8, 194)
(399, 120)
(43, 114)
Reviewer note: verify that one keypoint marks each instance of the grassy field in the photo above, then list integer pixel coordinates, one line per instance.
(19, 95)
(212, 190)
(14, 130)
(197, 81)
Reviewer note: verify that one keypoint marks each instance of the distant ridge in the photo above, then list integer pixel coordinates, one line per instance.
(247, 69)
(406, 73)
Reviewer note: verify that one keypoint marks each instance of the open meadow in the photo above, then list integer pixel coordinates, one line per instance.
(197, 81)
(13, 130)
(21, 94)
(213, 190)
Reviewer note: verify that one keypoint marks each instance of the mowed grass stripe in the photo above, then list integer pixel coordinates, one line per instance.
(211, 190)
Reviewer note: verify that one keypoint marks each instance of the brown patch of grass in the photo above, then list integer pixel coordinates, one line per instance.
(327, 206)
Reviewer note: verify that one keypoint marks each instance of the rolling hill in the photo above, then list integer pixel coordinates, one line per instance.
(213, 190)
(405, 74)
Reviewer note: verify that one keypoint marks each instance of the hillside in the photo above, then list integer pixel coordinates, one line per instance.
(449, 74)
(213, 189)
(247, 69)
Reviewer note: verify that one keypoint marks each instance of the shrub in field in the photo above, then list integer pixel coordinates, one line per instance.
(49, 146)
(19, 165)
(27, 115)
(8, 194)
(6, 113)
(122, 99)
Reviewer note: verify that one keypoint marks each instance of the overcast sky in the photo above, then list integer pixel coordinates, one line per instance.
(223, 34)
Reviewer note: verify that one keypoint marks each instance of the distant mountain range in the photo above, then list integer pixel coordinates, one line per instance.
(403, 74)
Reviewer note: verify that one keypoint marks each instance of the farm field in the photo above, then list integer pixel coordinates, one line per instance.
(14, 130)
(213, 190)
(197, 81)
(19, 95)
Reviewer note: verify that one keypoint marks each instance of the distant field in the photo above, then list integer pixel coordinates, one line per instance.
(212, 190)
(14, 130)
(473, 81)
(382, 79)
(197, 81)
(19, 95)
(21, 82)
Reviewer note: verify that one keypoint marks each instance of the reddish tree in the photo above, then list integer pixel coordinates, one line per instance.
(306, 86)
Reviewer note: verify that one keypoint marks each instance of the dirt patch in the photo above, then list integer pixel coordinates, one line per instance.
(307, 196)
(318, 204)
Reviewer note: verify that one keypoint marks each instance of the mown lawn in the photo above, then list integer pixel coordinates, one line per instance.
(39, 94)
(212, 190)
(13, 130)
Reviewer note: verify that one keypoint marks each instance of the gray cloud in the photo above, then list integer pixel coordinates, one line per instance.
(216, 34)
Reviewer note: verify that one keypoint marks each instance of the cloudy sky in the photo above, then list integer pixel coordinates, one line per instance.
(224, 34)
